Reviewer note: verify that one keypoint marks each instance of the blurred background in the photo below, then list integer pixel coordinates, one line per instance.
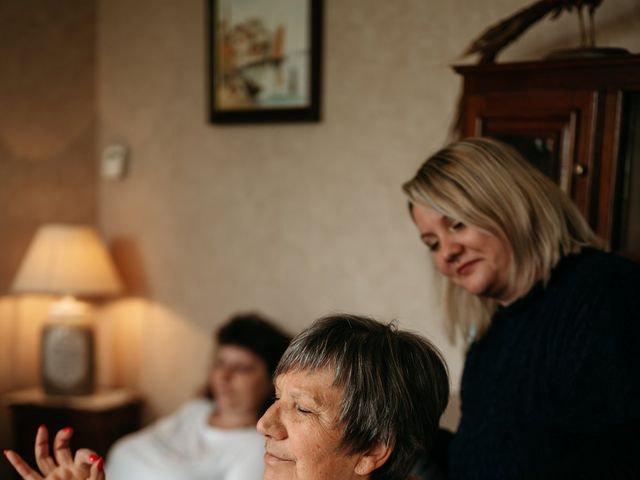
(293, 220)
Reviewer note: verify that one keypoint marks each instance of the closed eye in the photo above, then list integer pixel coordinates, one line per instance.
(432, 246)
(430, 240)
(457, 226)
(303, 410)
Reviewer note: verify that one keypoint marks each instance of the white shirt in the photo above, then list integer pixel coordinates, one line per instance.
(183, 446)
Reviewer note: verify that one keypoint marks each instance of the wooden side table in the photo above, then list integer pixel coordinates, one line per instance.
(98, 420)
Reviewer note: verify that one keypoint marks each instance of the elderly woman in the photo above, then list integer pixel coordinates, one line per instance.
(550, 387)
(355, 399)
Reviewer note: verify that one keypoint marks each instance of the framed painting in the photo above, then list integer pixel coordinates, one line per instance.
(265, 58)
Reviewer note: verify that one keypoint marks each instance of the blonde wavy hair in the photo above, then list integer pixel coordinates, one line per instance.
(487, 184)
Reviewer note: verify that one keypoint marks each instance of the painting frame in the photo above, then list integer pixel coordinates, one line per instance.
(289, 69)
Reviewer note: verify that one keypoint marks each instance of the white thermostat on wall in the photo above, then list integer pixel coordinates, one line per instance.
(114, 162)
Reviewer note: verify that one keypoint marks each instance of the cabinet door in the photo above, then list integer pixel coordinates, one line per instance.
(624, 200)
(552, 129)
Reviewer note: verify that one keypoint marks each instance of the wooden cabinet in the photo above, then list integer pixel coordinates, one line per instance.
(576, 120)
(98, 420)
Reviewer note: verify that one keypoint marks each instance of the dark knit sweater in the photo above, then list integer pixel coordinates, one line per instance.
(552, 390)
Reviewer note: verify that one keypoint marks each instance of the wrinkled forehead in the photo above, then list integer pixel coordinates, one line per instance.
(310, 361)
(306, 378)
(316, 385)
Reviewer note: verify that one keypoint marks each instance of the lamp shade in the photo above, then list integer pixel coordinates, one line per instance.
(67, 260)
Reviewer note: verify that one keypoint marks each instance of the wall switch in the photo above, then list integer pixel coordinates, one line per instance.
(114, 162)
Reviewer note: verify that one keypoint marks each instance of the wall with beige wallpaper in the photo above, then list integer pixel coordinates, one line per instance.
(295, 220)
(47, 125)
(47, 155)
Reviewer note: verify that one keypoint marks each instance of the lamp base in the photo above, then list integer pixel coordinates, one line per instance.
(67, 350)
(67, 360)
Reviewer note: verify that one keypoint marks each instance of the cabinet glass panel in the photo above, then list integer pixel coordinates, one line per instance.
(627, 237)
(540, 150)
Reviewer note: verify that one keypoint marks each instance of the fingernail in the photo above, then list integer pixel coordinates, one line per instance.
(93, 458)
(67, 430)
(6, 453)
(100, 464)
(41, 427)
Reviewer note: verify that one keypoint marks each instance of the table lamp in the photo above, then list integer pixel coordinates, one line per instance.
(70, 261)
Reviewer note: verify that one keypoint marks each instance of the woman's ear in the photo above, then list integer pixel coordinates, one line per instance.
(373, 458)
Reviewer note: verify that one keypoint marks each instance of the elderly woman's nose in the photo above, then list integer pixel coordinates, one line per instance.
(270, 425)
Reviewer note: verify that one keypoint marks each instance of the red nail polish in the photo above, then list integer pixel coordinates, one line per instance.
(67, 430)
(100, 464)
(93, 458)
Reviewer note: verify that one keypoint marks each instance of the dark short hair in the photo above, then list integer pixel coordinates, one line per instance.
(395, 385)
(257, 334)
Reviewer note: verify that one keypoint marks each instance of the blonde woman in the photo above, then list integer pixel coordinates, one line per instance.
(551, 383)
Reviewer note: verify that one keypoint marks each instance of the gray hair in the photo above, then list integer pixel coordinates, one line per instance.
(395, 385)
(487, 184)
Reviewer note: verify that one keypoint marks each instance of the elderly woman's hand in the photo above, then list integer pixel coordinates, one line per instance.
(87, 465)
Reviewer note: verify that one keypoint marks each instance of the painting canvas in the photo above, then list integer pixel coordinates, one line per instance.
(265, 60)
